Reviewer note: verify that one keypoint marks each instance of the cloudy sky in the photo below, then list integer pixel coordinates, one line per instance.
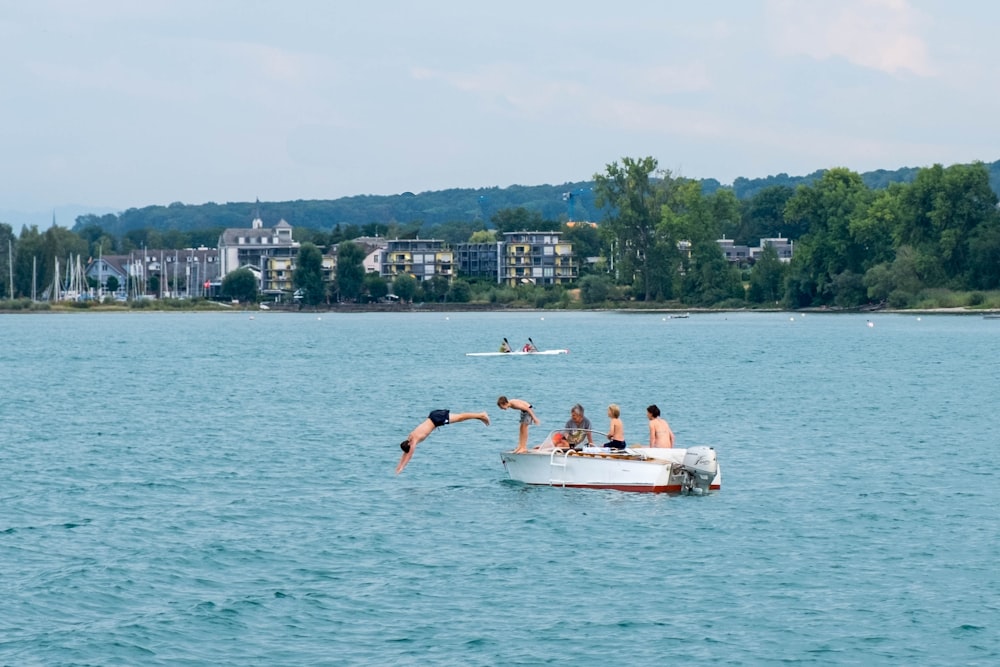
(112, 104)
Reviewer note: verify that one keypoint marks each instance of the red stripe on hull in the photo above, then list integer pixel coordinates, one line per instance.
(673, 488)
(620, 487)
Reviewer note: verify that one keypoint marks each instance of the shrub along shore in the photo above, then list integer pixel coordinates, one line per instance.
(935, 301)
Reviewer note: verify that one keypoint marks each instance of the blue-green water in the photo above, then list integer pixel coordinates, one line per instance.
(200, 489)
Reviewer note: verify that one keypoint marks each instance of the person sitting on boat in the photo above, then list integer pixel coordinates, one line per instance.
(505, 346)
(616, 432)
(425, 428)
(660, 434)
(529, 347)
(577, 428)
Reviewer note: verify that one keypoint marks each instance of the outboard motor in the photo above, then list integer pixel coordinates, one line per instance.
(700, 467)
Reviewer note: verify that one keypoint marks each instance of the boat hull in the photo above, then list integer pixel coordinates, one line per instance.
(640, 470)
(517, 353)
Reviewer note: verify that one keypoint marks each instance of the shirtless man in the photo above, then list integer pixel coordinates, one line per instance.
(527, 416)
(434, 419)
(660, 434)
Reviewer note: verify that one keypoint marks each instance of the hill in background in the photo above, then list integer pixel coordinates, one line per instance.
(568, 201)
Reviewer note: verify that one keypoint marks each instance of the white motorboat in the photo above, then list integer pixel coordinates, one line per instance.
(691, 470)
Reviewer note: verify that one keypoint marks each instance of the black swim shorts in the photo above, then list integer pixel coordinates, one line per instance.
(439, 417)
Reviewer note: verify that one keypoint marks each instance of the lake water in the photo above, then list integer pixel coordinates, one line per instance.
(218, 489)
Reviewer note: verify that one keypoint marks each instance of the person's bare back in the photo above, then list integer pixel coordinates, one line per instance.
(660, 434)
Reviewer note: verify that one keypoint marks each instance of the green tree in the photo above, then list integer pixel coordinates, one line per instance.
(7, 243)
(762, 216)
(518, 219)
(984, 256)
(350, 270)
(308, 275)
(483, 236)
(829, 206)
(240, 284)
(848, 289)
(456, 231)
(939, 215)
(404, 286)
(459, 292)
(376, 286)
(628, 194)
(724, 211)
(767, 278)
(436, 288)
(595, 289)
(317, 237)
(896, 282)
(709, 277)
(33, 265)
(702, 275)
(872, 229)
(586, 240)
(111, 283)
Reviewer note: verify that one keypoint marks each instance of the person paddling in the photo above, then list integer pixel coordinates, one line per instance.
(505, 346)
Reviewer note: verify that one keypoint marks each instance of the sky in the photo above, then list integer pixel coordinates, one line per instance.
(107, 105)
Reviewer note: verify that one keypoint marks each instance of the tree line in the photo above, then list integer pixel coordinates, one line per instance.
(427, 211)
(855, 243)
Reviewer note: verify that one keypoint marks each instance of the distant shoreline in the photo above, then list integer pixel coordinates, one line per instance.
(215, 307)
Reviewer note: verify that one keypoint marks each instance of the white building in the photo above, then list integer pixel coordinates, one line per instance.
(256, 248)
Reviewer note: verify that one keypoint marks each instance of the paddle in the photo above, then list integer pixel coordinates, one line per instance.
(534, 348)
(506, 345)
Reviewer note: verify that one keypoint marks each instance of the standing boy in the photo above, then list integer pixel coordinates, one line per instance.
(527, 416)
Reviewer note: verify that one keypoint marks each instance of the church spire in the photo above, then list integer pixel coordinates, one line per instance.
(257, 222)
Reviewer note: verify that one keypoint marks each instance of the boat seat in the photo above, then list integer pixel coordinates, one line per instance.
(672, 454)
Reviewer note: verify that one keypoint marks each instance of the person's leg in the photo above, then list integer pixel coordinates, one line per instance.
(465, 416)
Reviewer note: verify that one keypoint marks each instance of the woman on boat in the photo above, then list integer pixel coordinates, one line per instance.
(505, 346)
(660, 434)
